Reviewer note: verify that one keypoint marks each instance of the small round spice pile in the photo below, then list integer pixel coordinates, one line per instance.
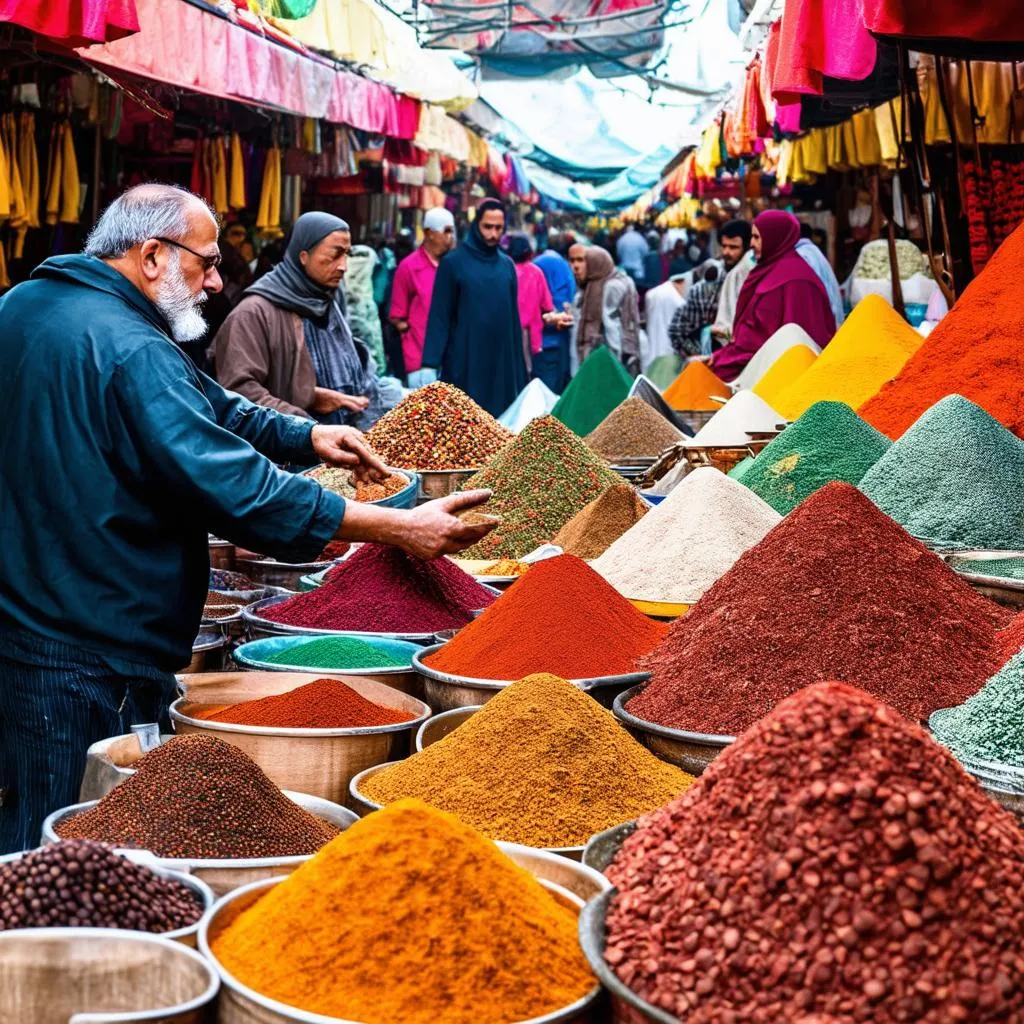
(836, 589)
(437, 427)
(197, 797)
(987, 726)
(336, 652)
(449, 921)
(834, 864)
(540, 482)
(334, 478)
(590, 532)
(541, 764)
(829, 442)
(321, 704)
(220, 606)
(223, 579)
(695, 389)
(631, 430)
(504, 567)
(955, 478)
(84, 884)
(381, 589)
(600, 384)
(562, 618)
(784, 371)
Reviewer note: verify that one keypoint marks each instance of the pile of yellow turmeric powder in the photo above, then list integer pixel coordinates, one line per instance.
(542, 764)
(410, 917)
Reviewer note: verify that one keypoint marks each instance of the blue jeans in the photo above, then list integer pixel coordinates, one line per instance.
(55, 701)
(551, 365)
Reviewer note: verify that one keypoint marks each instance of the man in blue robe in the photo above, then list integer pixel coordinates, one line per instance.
(474, 338)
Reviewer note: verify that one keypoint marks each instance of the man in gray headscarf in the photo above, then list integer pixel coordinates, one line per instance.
(288, 344)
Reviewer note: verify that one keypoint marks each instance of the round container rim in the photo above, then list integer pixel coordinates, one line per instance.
(251, 616)
(473, 682)
(417, 739)
(272, 666)
(642, 725)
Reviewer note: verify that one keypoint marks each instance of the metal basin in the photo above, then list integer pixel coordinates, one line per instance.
(222, 553)
(363, 805)
(253, 655)
(439, 483)
(102, 770)
(320, 762)
(257, 626)
(102, 976)
(444, 691)
(439, 726)
(207, 651)
(269, 573)
(691, 751)
(601, 849)
(627, 1006)
(405, 498)
(240, 1004)
(224, 874)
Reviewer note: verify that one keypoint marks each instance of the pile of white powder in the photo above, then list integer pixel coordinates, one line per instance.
(687, 542)
(732, 425)
(781, 341)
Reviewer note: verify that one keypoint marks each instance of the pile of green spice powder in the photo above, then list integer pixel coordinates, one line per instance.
(988, 726)
(829, 442)
(540, 482)
(337, 652)
(1003, 568)
(954, 479)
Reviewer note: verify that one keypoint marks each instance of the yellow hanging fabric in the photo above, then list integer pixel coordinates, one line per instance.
(28, 169)
(220, 175)
(6, 203)
(782, 171)
(887, 120)
(866, 141)
(53, 175)
(850, 144)
(71, 187)
(837, 160)
(816, 152)
(797, 163)
(236, 193)
(5, 278)
(268, 219)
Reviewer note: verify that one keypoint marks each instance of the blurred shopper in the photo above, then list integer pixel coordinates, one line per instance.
(631, 252)
(734, 241)
(654, 265)
(605, 309)
(474, 338)
(781, 289)
(534, 298)
(414, 285)
(818, 262)
(551, 364)
(363, 316)
(288, 345)
(660, 305)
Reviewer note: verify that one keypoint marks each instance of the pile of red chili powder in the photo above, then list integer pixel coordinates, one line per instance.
(834, 864)
(561, 618)
(381, 589)
(836, 591)
(321, 704)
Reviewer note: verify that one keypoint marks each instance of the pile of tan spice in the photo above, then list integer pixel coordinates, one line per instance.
(598, 525)
(632, 430)
(504, 567)
(542, 764)
(410, 917)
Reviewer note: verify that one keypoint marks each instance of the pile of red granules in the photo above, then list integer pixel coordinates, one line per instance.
(381, 589)
(833, 865)
(836, 591)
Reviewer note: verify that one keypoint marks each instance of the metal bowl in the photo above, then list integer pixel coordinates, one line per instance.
(252, 656)
(601, 849)
(240, 1004)
(363, 806)
(224, 874)
(691, 751)
(285, 575)
(439, 726)
(405, 498)
(102, 976)
(102, 773)
(592, 940)
(222, 553)
(444, 691)
(320, 762)
(202, 892)
(207, 651)
(439, 483)
(258, 627)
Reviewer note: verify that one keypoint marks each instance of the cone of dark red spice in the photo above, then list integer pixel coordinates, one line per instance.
(835, 864)
(836, 591)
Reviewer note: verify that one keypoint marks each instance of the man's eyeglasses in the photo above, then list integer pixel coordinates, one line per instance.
(209, 262)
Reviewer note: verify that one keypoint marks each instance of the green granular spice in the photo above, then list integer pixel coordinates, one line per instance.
(663, 370)
(600, 384)
(739, 471)
(988, 726)
(829, 442)
(954, 479)
(337, 652)
(540, 482)
(631, 430)
(1004, 568)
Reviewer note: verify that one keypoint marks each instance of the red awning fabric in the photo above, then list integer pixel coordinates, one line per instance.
(950, 25)
(74, 22)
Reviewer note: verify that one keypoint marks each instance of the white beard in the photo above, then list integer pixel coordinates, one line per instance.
(179, 306)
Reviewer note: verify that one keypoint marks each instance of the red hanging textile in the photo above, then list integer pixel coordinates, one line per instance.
(828, 37)
(74, 22)
(958, 21)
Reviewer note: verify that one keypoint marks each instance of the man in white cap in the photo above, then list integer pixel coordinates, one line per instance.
(414, 286)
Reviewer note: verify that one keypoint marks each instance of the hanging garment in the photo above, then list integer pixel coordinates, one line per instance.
(268, 218)
(949, 26)
(236, 184)
(28, 169)
(78, 23)
(219, 174)
(63, 187)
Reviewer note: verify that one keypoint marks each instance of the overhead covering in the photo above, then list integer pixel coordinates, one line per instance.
(73, 22)
(636, 179)
(558, 189)
(368, 34)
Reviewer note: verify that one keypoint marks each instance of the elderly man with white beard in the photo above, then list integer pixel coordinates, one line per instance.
(117, 458)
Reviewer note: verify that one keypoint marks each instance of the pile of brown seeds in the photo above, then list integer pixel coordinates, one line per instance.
(632, 429)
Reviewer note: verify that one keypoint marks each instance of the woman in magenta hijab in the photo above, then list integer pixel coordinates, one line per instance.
(781, 289)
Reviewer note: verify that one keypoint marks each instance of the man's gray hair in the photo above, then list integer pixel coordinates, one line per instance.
(143, 212)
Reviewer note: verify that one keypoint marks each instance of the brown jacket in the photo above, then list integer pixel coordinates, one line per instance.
(260, 352)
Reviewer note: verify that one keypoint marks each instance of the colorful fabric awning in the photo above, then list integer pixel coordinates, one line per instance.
(73, 22)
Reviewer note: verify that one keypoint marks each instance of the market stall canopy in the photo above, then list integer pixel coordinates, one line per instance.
(558, 189)
(73, 22)
(636, 179)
